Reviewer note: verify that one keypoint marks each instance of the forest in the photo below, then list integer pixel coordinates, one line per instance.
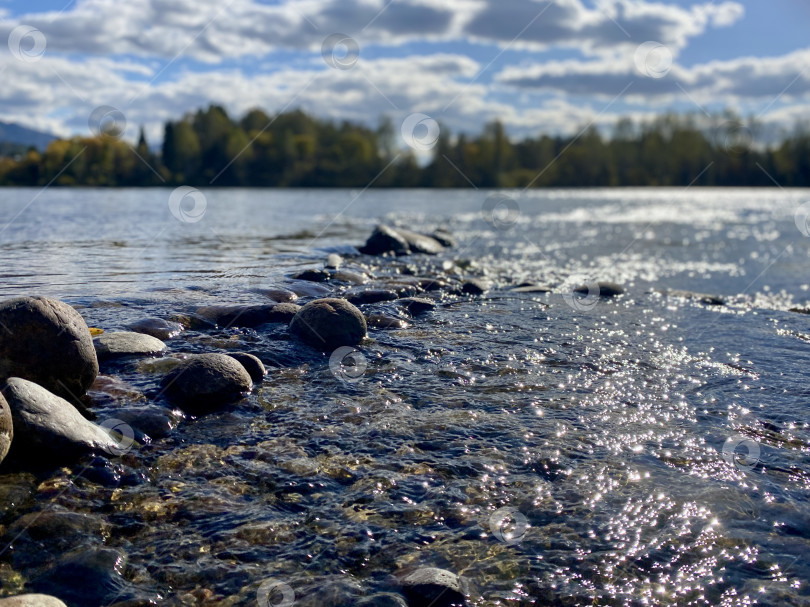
(208, 148)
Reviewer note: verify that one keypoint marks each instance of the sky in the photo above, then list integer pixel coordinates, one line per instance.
(539, 66)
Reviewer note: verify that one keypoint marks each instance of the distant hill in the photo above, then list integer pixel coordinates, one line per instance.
(20, 135)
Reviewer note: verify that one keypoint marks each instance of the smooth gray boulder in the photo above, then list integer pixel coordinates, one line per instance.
(127, 343)
(31, 600)
(6, 428)
(205, 382)
(252, 364)
(48, 429)
(326, 324)
(157, 327)
(47, 342)
(433, 587)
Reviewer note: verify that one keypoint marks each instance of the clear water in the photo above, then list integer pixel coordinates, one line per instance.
(548, 454)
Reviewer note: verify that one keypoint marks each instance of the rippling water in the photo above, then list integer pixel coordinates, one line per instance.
(548, 451)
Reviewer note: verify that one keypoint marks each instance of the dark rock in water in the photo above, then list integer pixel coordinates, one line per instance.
(6, 428)
(475, 286)
(800, 310)
(350, 277)
(333, 261)
(312, 275)
(127, 343)
(31, 600)
(381, 321)
(601, 289)
(39, 537)
(432, 587)
(195, 323)
(532, 288)
(47, 342)
(385, 239)
(403, 290)
(444, 238)
(49, 430)
(326, 324)
(157, 328)
(252, 364)
(279, 295)
(417, 305)
(421, 243)
(206, 381)
(87, 579)
(370, 296)
(154, 422)
(248, 316)
(705, 298)
(302, 288)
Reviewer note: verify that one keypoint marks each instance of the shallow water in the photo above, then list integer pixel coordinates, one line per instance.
(550, 449)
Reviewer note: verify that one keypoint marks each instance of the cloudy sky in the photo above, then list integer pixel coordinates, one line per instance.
(538, 65)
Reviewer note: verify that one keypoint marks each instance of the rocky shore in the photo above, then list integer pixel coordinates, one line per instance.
(54, 369)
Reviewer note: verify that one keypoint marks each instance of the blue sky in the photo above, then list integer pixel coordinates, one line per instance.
(537, 65)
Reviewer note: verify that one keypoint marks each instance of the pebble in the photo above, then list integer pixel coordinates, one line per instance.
(444, 238)
(248, 316)
(31, 600)
(279, 295)
(475, 286)
(127, 343)
(417, 305)
(532, 288)
(350, 277)
(48, 430)
(252, 364)
(157, 328)
(385, 240)
(333, 261)
(370, 296)
(326, 324)
(432, 587)
(302, 288)
(704, 298)
(312, 275)
(205, 382)
(48, 342)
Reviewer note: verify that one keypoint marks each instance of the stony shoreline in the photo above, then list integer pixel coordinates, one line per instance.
(52, 367)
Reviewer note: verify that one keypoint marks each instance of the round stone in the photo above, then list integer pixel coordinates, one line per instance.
(326, 324)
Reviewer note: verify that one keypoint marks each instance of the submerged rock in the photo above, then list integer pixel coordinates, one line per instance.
(421, 243)
(381, 321)
(127, 343)
(432, 587)
(206, 381)
(302, 288)
(31, 600)
(48, 430)
(705, 298)
(601, 289)
(47, 342)
(252, 364)
(6, 428)
(417, 305)
(312, 275)
(248, 316)
(279, 295)
(475, 286)
(157, 328)
(385, 239)
(326, 324)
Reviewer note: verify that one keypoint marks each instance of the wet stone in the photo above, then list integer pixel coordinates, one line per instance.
(6, 428)
(127, 343)
(302, 288)
(600, 288)
(248, 316)
(157, 328)
(381, 321)
(432, 587)
(279, 295)
(370, 296)
(31, 600)
(252, 364)
(46, 341)
(312, 275)
(39, 537)
(475, 286)
(326, 324)
(532, 288)
(704, 298)
(417, 305)
(206, 381)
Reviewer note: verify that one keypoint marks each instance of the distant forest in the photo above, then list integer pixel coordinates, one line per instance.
(209, 148)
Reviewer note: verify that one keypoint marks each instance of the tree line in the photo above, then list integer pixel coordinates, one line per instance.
(208, 148)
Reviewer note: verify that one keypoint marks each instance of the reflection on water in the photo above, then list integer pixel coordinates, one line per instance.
(550, 455)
